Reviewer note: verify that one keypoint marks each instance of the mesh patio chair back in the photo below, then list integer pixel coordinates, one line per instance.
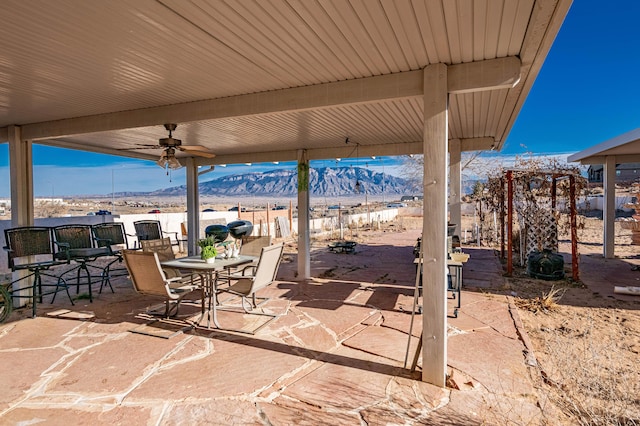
(110, 233)
(148, 230)
(252, 245)
(161, 246)
(164, 250)
(76, 236)
(146, 274)
(28, 241)
(267, 268)
(152, 230)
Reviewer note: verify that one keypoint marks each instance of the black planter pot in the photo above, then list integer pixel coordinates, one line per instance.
(218, 232)
(545, 265)
(240, 228)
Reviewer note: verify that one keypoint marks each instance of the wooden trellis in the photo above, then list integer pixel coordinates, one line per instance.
(507, 179)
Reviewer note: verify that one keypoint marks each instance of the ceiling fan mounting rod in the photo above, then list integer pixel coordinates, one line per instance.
(170, 127)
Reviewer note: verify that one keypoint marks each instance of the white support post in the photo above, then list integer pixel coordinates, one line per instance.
(193, 206)
(434, 228)
(609, 207)
(304, 251)
(21, 173)
(455, 212)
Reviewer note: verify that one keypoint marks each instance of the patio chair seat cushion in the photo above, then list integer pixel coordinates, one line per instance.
(84, 253)
(242, 286)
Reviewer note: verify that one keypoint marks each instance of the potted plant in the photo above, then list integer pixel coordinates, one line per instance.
(208, 251)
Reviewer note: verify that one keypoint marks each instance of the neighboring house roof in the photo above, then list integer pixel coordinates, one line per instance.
(625, 148)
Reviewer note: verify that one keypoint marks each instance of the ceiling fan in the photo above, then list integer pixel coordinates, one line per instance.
(169, 145)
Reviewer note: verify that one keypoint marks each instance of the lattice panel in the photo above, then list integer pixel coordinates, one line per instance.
(542, 232)
(538, 226)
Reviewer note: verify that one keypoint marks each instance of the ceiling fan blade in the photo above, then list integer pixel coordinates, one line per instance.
(199, 153)
(197, 150)
(193, 148)
(141, 146)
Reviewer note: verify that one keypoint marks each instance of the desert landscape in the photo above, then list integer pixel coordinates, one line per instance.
(586, 344)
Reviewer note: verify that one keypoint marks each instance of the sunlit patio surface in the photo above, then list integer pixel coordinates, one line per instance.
(334, 355)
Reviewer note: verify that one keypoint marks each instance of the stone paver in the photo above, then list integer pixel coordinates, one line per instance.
(334, 355)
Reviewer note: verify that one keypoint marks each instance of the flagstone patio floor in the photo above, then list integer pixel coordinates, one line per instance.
(334, 355)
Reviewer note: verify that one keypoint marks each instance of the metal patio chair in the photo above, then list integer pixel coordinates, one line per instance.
(246, 285)
(251, 246)
(151, 230)
(113, 235)
(163, 248)
(77, 242)
(148, 278)
(31, 248)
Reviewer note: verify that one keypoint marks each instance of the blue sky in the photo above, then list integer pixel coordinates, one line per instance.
(587, 92)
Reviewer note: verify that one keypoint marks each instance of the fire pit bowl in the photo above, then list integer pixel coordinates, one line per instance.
(218, 232)
(240, 228)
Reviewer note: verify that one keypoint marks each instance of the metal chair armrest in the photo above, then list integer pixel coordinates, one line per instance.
(64, 248)
(9, 256)
(185, 280)
(246, 268)
(105, 243)
(175, 237)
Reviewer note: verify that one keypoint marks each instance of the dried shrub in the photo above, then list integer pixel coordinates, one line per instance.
(591, 380)
(545, 303)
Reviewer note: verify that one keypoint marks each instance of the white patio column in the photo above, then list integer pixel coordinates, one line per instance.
(21, 176)
(21, 173)
(193, 206)
(304, 252)
(434, 227)
(609, 206)
(455, 213)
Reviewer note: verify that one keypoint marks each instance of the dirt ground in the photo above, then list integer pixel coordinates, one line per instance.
(586, 344)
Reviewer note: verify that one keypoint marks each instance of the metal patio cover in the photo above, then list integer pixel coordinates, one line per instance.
(624, 148)
(259, 80)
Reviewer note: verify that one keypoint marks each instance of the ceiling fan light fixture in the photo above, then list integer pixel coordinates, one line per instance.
(168, 159)
(173, 163)
(162, 161)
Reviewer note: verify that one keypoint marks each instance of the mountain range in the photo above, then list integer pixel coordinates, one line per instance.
(325, 181)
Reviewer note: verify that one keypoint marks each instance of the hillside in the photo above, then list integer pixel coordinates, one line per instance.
(331, 182)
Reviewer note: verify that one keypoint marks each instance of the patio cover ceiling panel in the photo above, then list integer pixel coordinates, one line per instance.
(374, 124)
(72, 60)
